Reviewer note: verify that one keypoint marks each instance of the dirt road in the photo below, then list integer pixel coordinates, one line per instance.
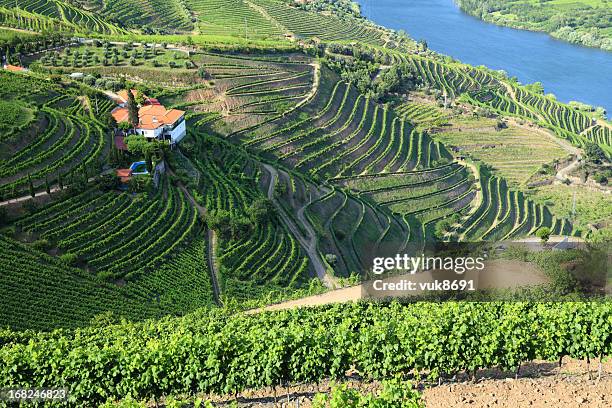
(308, 243)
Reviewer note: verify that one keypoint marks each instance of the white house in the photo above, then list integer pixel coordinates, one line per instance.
(156, 122)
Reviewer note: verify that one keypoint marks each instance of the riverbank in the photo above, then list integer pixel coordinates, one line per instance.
(580, 22)
(570, 72)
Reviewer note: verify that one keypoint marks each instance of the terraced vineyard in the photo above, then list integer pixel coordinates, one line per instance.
(62, 142)
(248, 90)
(504, 213)
(451, 78)
(564, 121)
(68, 297)
(239, 18)
(481, 88)
(314, 143)
(422, 115)
(305, 24)
(266, 258)
(341, 133)
(349, 228)
(114, 234)
(62, 12)
(21, 19)
(343, 137)
(167, 16)
(515, 153)
(602, 135)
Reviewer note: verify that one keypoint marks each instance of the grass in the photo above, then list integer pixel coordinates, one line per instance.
(10, 33)
(515, 153)
(592, 207)
(13, 113)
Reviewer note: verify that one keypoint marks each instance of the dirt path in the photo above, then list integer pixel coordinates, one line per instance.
(316, 82)
(53, 189)
(18, 30)
(29, 197)
(213, 266)
(308, 243)
(563, 173)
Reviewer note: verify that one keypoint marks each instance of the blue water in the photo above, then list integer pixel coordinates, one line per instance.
(571, 72)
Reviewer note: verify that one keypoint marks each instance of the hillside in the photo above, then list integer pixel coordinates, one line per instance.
(352, 174)
(167, 166)
(585, 22)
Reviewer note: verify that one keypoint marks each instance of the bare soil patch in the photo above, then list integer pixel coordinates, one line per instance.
(540, 384)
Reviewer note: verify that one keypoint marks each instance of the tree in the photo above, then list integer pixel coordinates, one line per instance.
(442, 227)
(202, 73)
(148, 161)
(239, 227)
(260, 211)
(140, 145)
(132, 109)
(543, 233)
(331, 259)
(31, 186)
(594, 153)
(109, 120)
(47, 186)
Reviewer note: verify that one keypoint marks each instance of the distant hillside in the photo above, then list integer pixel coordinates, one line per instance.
(586, 22)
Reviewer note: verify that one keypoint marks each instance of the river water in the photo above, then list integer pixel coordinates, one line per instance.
(571, 72)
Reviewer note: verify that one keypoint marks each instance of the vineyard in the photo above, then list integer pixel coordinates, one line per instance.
(423, 115)
(147, 15)
(480, 87)
(71, 143)
(46, 14)
(119, 237)
(347, 139)
(304, 24)
(515, 153)
(135, 266)
(208, 351)
(70, 297)
(266, 258)
(237, 18)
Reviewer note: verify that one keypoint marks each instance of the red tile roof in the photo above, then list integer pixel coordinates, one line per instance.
(150, 116)
(13, 68)
(124, 175)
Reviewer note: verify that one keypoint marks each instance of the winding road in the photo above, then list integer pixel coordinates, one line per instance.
(308, 243)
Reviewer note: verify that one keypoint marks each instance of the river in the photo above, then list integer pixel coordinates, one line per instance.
(571, 72)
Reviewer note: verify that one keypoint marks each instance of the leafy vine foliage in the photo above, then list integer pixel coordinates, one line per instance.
(223, 352)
